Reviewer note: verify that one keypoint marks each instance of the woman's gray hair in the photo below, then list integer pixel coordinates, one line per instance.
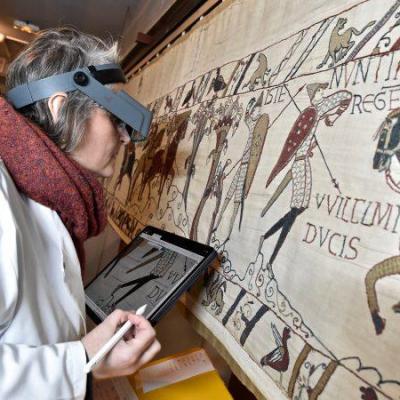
(53, 52)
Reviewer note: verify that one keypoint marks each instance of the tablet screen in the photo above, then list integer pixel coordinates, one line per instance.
(147, 274)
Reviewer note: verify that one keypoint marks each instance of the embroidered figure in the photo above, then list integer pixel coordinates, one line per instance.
(386, 160)
(299, 145)
(387, 154)
(161, 164)
(200, 120)
(217, 188)
(128, 163)
(229, 114)
(168, 104)
(368, 393)
(259, 75)
(389, 266)
(215, 290)
(239, 188)
(217, 84)
(145, 161)
(340, 42)
(278, 359)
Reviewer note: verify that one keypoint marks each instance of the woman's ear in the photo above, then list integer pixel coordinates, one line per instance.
(55, 102)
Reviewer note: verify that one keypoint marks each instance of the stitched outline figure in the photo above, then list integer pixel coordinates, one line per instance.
(299, 145)
(217, 188)
(240, 186)
(230, 114)
(200, 119)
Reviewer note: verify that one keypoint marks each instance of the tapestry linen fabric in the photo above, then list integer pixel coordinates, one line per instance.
(276, 140)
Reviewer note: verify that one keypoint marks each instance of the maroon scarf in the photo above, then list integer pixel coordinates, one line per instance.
(45, 174)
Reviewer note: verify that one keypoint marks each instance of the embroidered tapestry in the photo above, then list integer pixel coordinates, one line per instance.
(276, 140)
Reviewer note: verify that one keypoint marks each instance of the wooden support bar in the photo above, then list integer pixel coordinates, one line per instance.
(6, 49)
(144, 38)
(133, 64)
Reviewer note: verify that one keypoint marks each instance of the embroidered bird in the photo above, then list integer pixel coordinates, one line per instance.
(368, 393)
(218, 83)
(278, 359)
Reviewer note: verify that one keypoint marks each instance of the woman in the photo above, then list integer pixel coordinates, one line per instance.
(52, 153)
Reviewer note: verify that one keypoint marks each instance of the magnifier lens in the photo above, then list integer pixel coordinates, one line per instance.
(135, 136)
(129, 129)
(118, 123)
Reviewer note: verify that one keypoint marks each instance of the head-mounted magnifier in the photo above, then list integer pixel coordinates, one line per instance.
(90, 80)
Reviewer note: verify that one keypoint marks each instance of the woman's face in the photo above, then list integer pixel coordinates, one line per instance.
(100, 144)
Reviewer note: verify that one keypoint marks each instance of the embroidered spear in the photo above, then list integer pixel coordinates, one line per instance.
(333, 179)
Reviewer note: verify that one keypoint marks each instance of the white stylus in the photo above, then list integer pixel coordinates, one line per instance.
(112, 341)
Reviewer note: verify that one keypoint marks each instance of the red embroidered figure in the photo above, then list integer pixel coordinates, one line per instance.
(298, 146)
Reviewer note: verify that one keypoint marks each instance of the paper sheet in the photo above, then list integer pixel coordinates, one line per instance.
(175, 370)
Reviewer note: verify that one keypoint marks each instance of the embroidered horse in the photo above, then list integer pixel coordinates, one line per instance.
(387, 154)
(162, 163)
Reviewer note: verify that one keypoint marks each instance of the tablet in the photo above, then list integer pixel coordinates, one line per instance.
(154, 269)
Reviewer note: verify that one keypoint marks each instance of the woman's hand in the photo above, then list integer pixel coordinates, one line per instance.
(128, 355)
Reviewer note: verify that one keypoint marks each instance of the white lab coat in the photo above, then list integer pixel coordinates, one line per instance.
(41, 302)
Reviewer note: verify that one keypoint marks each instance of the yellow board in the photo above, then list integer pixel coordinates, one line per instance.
(207, 385)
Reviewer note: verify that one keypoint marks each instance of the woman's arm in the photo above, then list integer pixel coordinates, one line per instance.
(57, 371)
(29, 369)
(42, 372)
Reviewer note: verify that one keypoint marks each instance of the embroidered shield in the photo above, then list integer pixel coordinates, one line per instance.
(257, 145)
(300, 130)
